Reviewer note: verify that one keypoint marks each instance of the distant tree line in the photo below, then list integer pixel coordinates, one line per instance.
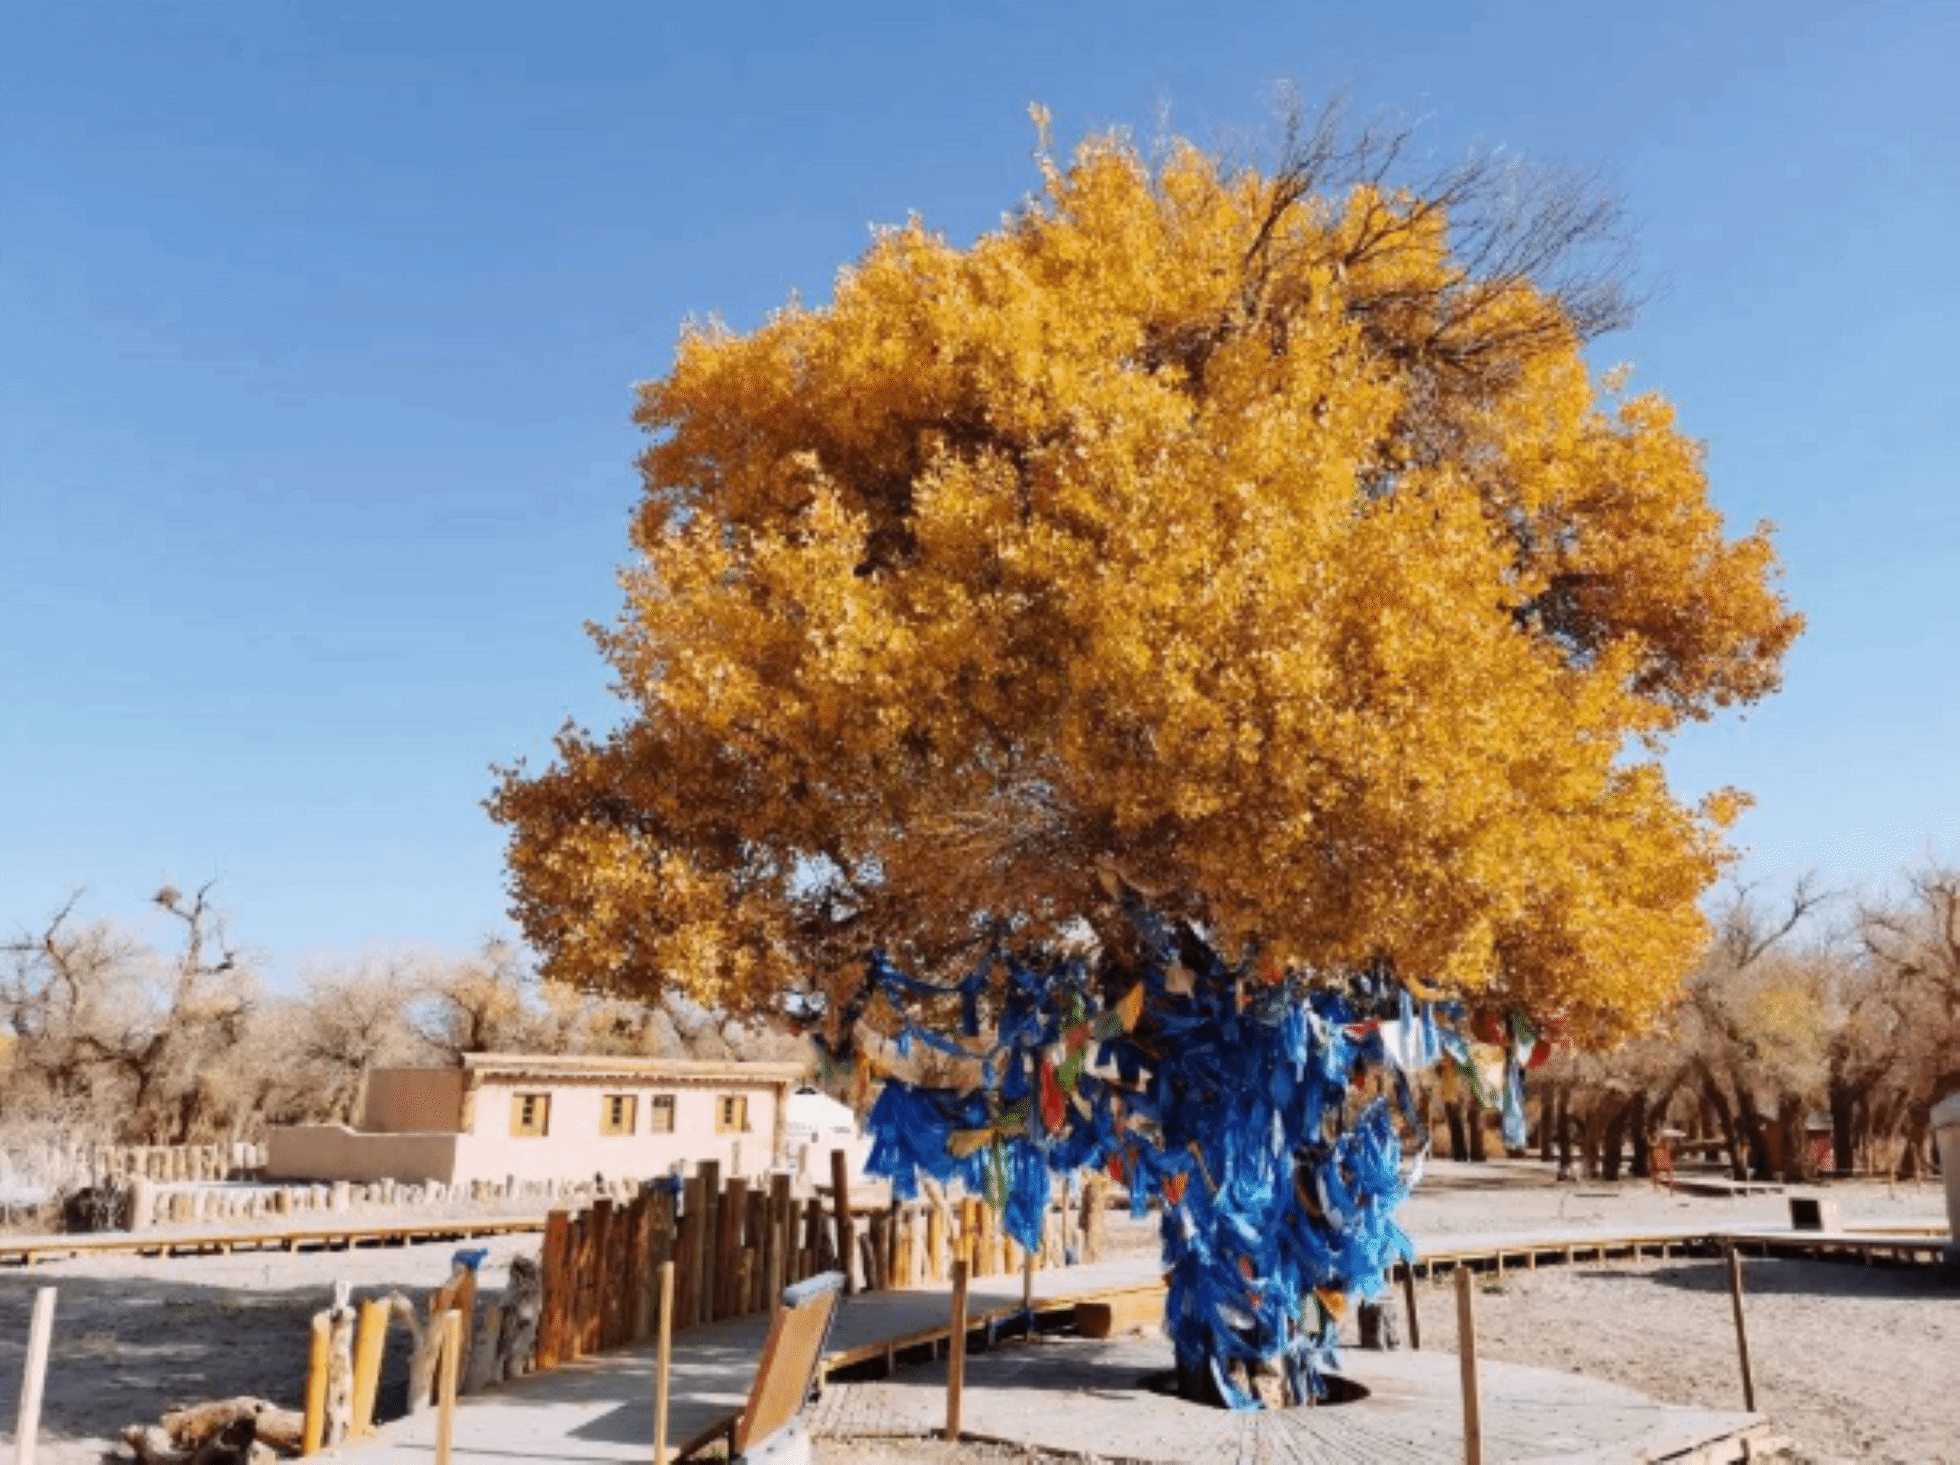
(105, 1037)
(1814, 1036)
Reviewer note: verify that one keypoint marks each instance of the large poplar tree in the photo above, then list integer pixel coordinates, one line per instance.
(1256, 542)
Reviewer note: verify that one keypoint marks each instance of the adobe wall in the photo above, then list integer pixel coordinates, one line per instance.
(335, 1152)
(413, 1101)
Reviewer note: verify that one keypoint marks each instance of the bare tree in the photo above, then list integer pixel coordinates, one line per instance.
(122, 1041)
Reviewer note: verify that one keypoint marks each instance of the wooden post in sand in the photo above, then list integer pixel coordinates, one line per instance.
(370, 1340)
(1466, 1350)
(318, 1356)
(662, 1360)
(1741, 1334)
(452, 1351)
(1409, 1297)
(956, 1354)
(840, 1203)
(33, 1379)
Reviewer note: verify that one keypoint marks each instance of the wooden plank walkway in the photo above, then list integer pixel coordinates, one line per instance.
(24, 1251)
(600, 1408)
(1044, 1394)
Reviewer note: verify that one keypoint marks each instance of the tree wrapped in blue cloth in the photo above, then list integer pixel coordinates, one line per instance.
(1214, 1088)
(1258, 537)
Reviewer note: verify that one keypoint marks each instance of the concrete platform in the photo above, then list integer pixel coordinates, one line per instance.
(1072, 1396)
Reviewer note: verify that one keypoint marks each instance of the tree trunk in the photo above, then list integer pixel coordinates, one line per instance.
(1640, 1122)
(1473, 1120)
(1750, 1120)
(1546, 1111)
(1565, 1132)
(1791, 1115)
(1592, 1136)
(1716, 1100)
(1613, 1140)
(1459, 1138)
(1844, 1107)
(1911, 1167)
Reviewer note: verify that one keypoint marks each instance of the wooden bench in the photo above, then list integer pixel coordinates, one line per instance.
(784, 1379)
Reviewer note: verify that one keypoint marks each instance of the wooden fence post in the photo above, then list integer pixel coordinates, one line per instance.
(956, 1351)
(781, 1237)
(1741, 1333)
(314, 1429)
(813, 1238)
(339, 1411)
(1466, 1348)
(662, 1361)
(729, 1301)
(33, 1379)
(840, 1202)
(755, 1251)
(554, 1280)
(687, 1251)
(596, 1254)
(704, 1262)
(1409, 1297)
(452, 1347)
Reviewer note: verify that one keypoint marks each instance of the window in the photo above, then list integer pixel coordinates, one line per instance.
(732, 1117)
(660, 1114)
(530, 1115)
(617, 1113)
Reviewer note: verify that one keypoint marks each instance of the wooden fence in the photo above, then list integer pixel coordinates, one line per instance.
(736, 1244)
(71, 1166)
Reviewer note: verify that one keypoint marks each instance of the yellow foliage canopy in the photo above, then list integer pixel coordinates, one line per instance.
(1241, 543)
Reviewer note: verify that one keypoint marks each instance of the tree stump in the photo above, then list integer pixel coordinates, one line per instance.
(522, 1304)
(1380, 1329)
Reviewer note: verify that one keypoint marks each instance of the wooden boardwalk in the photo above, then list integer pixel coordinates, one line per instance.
(342, 1235)
(601, 1408)
(1058, 1394)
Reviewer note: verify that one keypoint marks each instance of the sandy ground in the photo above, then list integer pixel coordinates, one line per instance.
(136, 1336)
(1851, 1362)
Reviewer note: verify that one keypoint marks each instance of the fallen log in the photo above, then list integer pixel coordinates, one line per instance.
(234, 1444)
(189, 1428)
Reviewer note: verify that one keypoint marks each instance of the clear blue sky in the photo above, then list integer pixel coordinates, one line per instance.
(318, 325)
